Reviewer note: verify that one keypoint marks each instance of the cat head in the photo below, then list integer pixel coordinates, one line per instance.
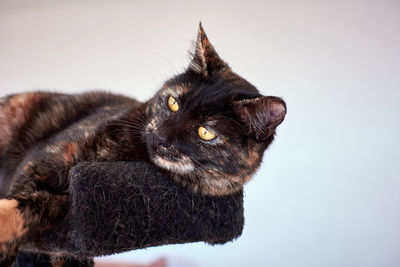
(208, 126)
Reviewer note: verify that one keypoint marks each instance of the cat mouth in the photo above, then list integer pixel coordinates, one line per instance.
(182, 166)
(165, 156)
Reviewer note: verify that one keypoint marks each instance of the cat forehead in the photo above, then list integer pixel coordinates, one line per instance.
(201, 100)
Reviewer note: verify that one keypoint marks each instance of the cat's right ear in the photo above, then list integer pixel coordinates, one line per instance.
(205, 59)
(261, 115)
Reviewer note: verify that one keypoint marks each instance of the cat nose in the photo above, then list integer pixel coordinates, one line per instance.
(160, 140)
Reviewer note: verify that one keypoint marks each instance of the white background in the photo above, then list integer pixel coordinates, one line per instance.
(328, 191)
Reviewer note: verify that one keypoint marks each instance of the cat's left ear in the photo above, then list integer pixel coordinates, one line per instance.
(205, 60)
(261, 115)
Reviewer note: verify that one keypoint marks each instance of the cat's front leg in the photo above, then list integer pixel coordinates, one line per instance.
(27, 214)
(12, 230)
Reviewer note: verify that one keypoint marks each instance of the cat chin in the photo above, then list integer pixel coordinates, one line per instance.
(183, 166)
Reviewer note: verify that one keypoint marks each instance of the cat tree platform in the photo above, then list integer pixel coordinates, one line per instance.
(122, 206)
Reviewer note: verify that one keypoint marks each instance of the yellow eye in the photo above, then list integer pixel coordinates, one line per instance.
(206, 134)
(173, 104)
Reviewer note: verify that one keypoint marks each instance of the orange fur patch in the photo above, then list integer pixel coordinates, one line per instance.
(58, 263)
(11, 221)
(70, 152)
(13, 113)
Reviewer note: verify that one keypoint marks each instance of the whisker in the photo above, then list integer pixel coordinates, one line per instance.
(199, 165)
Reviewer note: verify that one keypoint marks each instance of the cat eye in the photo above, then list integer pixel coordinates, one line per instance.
(206, 134)
(173, 104)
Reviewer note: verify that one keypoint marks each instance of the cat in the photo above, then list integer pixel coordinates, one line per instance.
(207, 128)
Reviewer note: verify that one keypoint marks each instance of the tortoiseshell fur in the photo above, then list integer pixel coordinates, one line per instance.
(43, 135)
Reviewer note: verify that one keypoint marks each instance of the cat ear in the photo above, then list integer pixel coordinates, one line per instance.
(205, 59)
(261, 115)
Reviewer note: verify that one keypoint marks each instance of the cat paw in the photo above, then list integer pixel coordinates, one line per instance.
(11, 222)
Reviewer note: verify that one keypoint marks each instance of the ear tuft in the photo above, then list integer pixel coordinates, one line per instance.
(205, 59)
(261, 115)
